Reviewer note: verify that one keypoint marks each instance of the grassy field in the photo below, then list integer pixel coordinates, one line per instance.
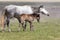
(45, 30)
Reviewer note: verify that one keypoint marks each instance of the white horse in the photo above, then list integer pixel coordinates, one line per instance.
(19, 9)
(26, 9)
(15, 11)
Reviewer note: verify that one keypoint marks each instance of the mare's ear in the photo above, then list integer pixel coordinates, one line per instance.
(41, 6)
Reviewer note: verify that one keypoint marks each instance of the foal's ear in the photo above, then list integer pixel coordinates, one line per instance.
(41, 6)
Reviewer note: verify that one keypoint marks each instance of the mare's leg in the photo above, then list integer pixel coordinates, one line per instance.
(19, 25)
(8, 21)
(31, 26)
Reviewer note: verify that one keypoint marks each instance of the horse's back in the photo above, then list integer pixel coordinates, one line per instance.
(10, 7)
(24, 9)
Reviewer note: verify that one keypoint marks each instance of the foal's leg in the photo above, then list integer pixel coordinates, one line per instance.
(31, 26)
(23, 25)
(8, 21)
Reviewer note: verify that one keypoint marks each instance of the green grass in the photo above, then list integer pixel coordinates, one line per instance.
(45, 30)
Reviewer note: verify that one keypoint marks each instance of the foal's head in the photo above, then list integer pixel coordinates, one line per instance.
(37, 16)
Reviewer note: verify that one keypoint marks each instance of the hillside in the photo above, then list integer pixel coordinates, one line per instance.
(31, 0)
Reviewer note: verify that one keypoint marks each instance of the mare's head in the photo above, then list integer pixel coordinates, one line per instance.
(42, 10)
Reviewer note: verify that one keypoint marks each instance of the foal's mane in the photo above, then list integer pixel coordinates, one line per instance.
(32, 15)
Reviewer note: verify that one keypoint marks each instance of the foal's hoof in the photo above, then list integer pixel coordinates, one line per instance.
(3, 30)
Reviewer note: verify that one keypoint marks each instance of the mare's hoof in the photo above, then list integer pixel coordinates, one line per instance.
(9, 30)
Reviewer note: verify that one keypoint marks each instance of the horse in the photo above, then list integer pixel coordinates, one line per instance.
(11, 11)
